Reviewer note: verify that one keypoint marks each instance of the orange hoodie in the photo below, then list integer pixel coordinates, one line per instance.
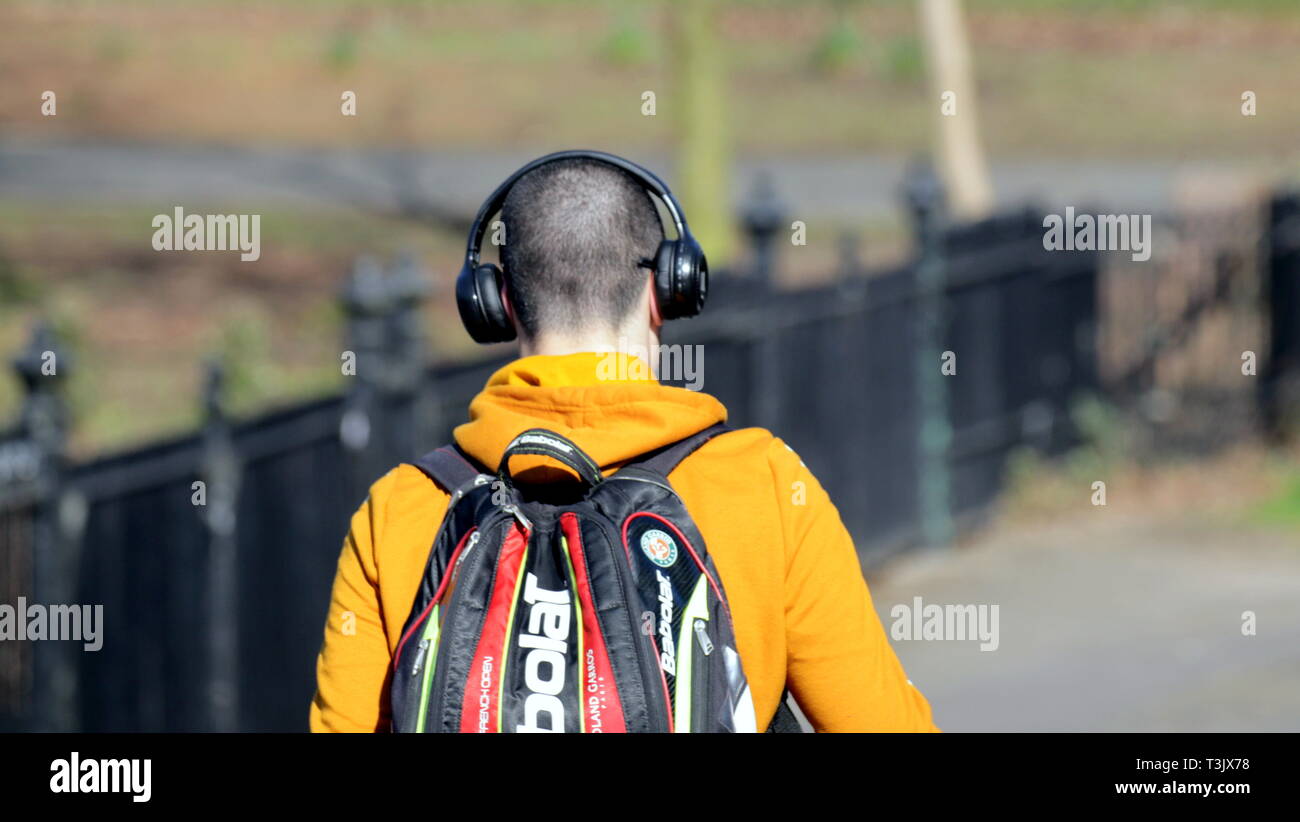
(802, 612)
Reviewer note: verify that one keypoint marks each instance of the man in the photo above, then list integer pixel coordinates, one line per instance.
(580, 235)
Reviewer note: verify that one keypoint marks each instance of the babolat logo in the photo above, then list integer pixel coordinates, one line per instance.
(539, 439)
(546, 634)
(668, 649)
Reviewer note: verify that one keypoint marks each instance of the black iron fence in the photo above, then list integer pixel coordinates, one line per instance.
(904, 390)
(1279, 388)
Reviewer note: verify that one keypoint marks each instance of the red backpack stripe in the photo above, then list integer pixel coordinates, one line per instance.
(481, 706)
(602, 711)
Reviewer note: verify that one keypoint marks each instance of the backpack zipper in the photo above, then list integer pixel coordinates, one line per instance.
(432, 632)
(658, 702)
(426, 642)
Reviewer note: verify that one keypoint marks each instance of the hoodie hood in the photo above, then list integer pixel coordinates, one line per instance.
(608, 403)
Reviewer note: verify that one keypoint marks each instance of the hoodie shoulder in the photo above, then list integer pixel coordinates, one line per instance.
(757, 456)
(755, 444)
(404, 499)
(407, 487)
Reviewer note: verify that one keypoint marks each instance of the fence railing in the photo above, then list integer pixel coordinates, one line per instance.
(903, 389)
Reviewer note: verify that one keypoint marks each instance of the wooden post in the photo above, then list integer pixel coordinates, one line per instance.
(952, 85)
(699, 105)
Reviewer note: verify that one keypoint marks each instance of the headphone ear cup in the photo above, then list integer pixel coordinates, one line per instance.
(695, 276)
(478, 298)
(664, 285)
(681, 278)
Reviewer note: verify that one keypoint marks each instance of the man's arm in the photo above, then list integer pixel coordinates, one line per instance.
(352, 669)
(840, 666)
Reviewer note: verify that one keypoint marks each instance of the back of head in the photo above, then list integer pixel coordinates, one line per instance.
(578, 235)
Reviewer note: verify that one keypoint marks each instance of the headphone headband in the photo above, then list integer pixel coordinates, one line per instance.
(648, 179)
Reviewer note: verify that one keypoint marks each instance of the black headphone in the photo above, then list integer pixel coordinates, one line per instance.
(681, 272)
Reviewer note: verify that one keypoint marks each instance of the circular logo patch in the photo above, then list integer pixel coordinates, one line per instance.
(659, 547)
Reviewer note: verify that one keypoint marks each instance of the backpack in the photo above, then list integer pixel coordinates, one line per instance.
(546, 610)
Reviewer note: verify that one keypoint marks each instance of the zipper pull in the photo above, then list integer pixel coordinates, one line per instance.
(706, 644)
(460, 560)
(419, 657)
(519, 515)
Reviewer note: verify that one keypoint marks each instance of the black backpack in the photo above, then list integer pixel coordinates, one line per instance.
(546, 610)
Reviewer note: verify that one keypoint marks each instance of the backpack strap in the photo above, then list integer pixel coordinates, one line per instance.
(664, 460)
(449, 467)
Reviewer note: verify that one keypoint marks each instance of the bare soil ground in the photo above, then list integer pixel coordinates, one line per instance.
(1151, 81)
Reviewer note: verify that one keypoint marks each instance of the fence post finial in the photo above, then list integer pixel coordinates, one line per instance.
(407, 288)
(762, 217)
(850, 262)
(43, 368)
(366, 301)
(926, 200)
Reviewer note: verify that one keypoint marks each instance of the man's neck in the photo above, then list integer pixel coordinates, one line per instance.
(642, 344)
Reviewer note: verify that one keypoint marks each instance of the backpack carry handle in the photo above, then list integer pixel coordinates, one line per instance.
(550, 444)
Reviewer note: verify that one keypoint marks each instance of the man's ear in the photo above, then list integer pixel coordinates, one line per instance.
(656, 319)
(510, 309)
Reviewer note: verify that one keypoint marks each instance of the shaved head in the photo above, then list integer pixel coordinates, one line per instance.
(578, 234)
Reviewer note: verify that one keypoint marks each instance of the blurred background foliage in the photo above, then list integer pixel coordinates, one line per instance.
(786, 80)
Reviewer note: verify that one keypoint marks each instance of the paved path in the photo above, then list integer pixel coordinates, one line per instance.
(1111, 624)
(453, 183)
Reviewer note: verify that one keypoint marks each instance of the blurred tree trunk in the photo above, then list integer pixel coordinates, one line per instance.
(699, 106)
(960, 158)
